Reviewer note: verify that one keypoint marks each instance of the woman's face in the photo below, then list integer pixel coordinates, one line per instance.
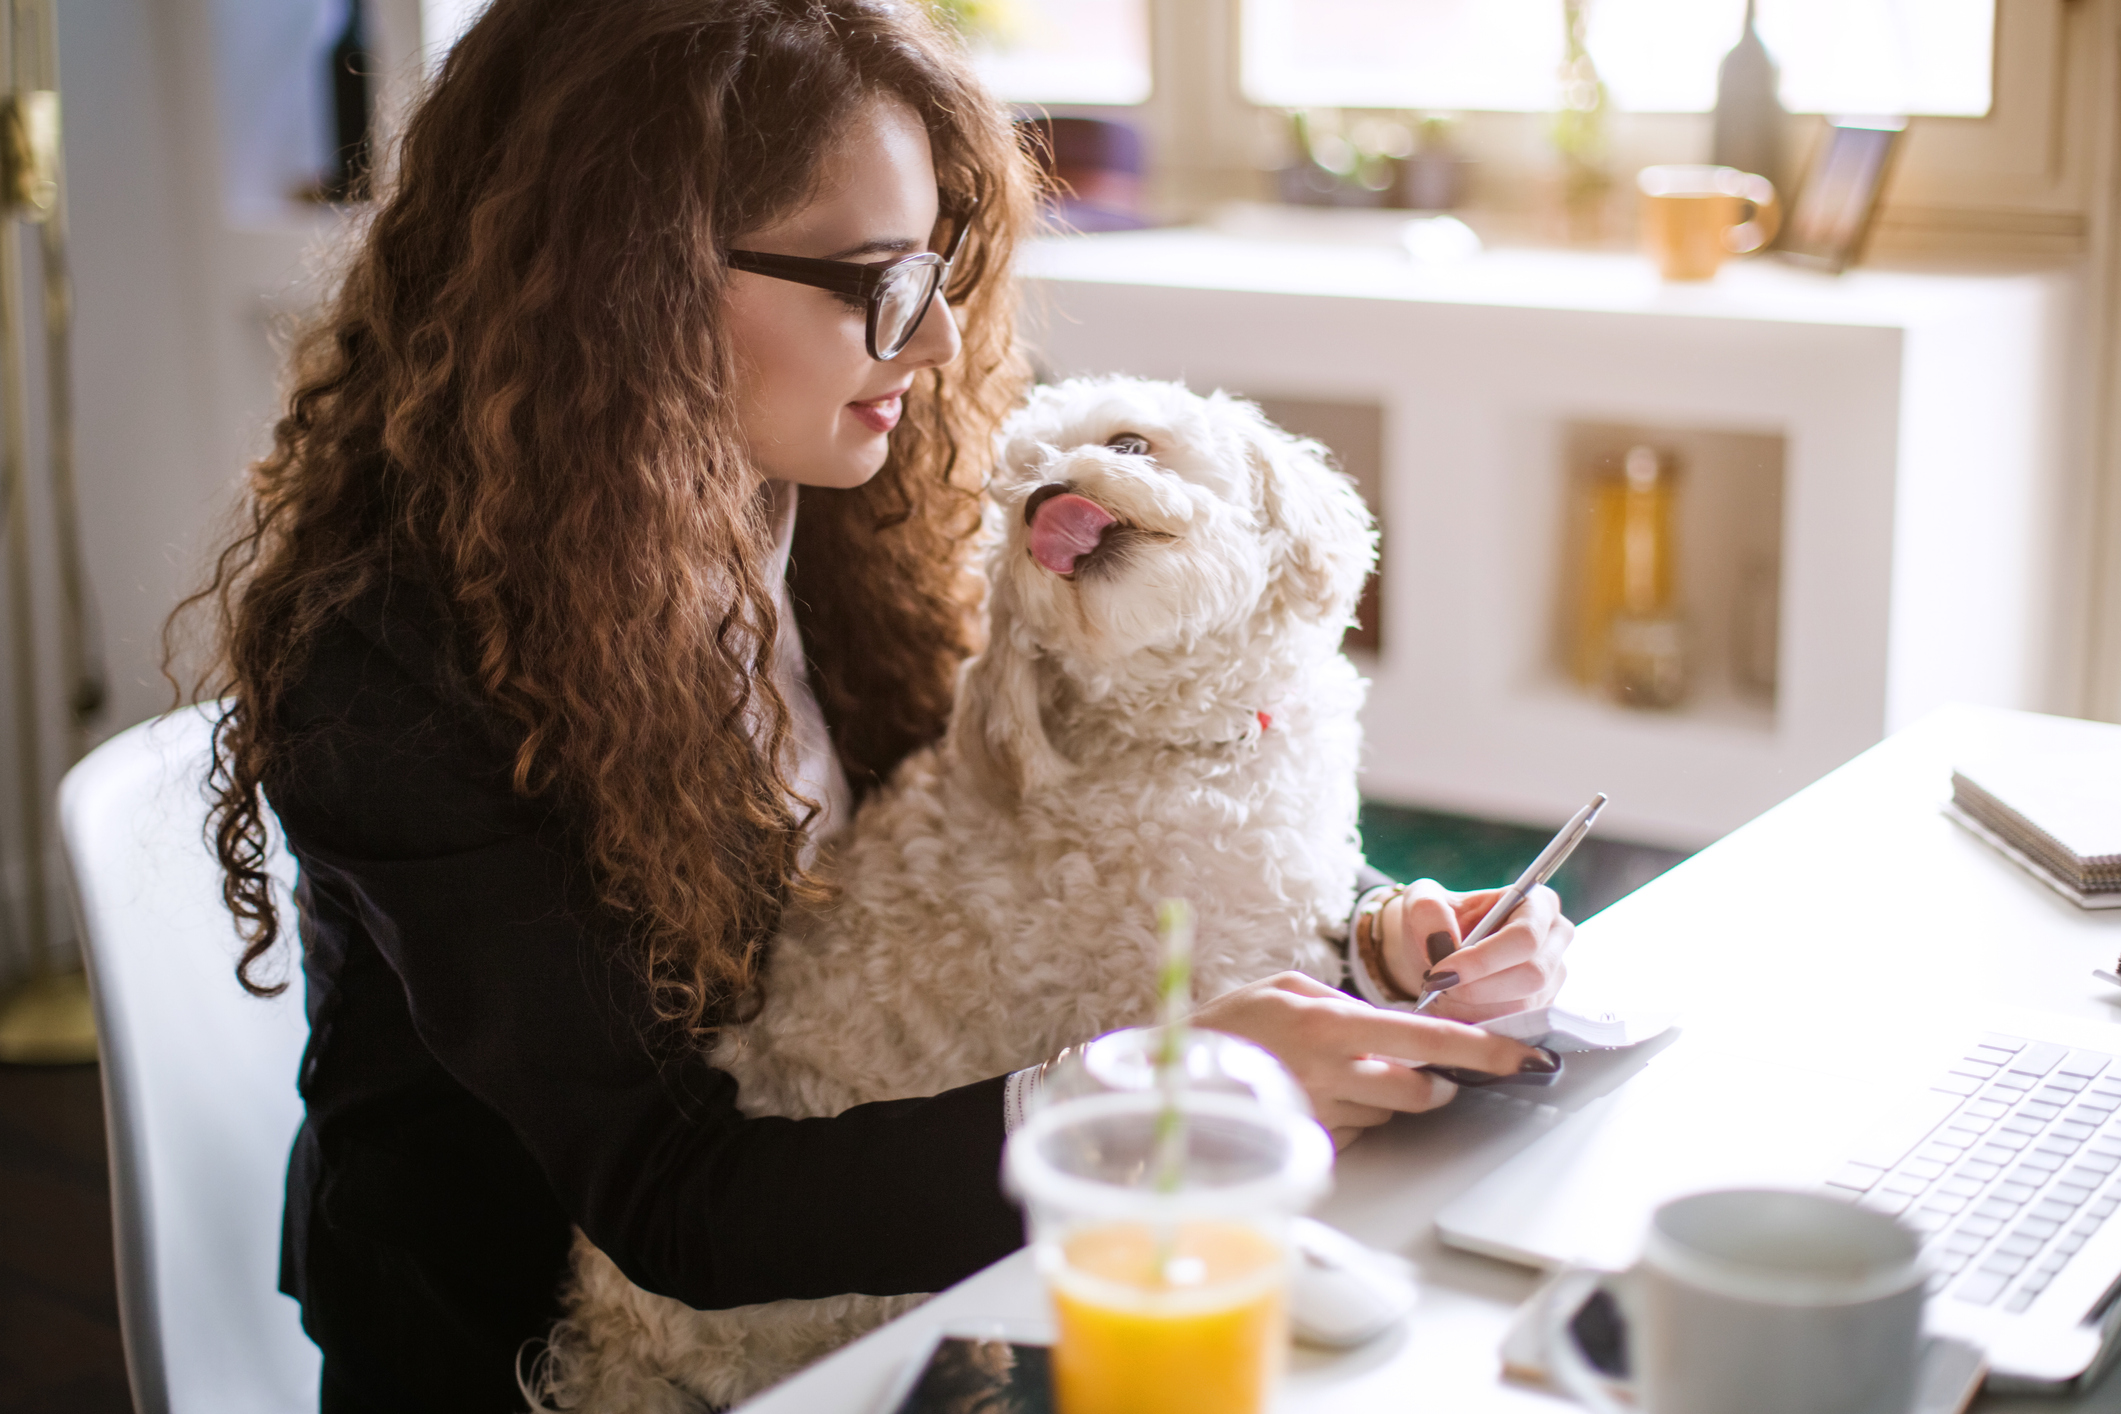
(812, 406)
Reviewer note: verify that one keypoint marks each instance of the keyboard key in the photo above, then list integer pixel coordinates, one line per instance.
(1957, 1085)
(1980, 1225)
(1980, 1170)
(2053, 1262)
(2042, 1228)
(1880, 1201)
(2037, 1058)
(1963, 1133)
(2010, 1082)
(2020, 1300)
(2038, 1109)
(1963, 1242)
(2102, 1208)
(1924, 1169)
(2008, 1142)
(2004, 1264)
(2069, 1242)
(1959, 1185)
(2093, 1100)
(2105, 1085)
(2106, 1146)
(1997, 1041)
(1948, 1263)
(1987, 1109)
(2057, 1144)
(2015, 1192)
(2044, 1159)
(2021, 1124)
(1944, 1202)
(2075, 1129)
(2062, 1088)
(1907, 1183)
(1859, 1178)
(2021, 1244)
(2084, 1063)
(1927, 1220)
(2001, 1209)
(2091, 1169)
(2076, 1195)
(2054, 1208)
(2035, 1281)
(1974, 1069)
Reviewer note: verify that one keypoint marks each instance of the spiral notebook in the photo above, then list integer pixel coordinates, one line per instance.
(2058, 816)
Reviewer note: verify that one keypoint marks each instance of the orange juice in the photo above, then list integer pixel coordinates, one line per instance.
(1196, 1327)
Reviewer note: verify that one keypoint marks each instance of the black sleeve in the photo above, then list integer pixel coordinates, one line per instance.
(396, 800)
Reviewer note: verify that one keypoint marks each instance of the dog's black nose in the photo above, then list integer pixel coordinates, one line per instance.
(1132, 443)
(1042, 495)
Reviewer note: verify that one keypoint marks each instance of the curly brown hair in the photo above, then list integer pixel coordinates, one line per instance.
(517, 396)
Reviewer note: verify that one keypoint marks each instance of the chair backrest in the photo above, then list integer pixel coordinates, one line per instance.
(198, 1085)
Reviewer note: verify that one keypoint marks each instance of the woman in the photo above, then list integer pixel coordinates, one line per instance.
(552, 689)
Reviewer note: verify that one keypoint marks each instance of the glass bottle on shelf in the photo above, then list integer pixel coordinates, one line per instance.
(1630, 640)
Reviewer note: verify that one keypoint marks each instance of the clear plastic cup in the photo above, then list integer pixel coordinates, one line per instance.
(1207, 1060)
(1169, 1298)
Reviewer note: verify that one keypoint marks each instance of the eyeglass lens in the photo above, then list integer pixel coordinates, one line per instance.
(900, 304)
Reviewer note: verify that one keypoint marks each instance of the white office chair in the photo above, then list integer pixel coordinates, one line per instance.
(198, 1085)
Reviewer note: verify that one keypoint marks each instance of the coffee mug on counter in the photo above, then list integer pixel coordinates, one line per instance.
(1695, 217)
(1756, 1301)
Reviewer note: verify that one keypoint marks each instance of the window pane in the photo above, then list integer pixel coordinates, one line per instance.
(1061, 51)
(1657, 56)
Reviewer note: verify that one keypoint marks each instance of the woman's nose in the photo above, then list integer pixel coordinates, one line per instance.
(936, 342)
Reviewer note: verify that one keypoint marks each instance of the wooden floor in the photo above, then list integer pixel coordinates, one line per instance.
(59, 1344)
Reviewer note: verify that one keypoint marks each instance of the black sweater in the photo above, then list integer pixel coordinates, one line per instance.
(477, 1077)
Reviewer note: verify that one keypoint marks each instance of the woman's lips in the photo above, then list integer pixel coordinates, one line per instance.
(880, 415)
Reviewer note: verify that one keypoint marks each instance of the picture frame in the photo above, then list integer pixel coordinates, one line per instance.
(1831, 218)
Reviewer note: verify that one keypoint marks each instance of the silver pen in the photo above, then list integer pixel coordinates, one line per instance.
(1536, 873)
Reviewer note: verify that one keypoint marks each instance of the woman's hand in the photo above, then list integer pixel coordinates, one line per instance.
(1515, 968)
(1346, 1053)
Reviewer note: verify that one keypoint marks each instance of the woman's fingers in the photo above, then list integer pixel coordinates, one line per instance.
(1354, 1060)
(1420, 931)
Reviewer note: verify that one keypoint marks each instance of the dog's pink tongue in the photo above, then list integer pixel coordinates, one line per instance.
(1065, 528)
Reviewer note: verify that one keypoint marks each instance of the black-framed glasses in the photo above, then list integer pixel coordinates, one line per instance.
(897, 292)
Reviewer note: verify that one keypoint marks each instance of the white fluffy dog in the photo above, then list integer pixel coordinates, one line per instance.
(1162, 710)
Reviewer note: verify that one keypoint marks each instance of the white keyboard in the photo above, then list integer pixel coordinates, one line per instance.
(2007, 1167)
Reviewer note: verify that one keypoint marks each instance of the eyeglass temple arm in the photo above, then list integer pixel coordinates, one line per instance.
(834, 275)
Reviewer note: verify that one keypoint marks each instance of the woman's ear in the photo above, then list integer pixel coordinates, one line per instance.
(1326, 539)
(999, 730)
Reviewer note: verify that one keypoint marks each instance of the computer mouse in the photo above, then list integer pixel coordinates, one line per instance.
(1342, 1293)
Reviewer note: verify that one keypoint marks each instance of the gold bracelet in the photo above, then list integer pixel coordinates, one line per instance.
(1369, 942)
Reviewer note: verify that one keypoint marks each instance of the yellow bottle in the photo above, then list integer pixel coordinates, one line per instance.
(1191, 1321)
(1629, 638)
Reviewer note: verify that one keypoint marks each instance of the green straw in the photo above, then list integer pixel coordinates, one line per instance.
(1174, 990)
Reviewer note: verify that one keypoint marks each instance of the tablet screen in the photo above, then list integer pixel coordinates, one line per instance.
(981, 1377)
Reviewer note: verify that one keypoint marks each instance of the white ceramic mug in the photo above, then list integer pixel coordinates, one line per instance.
(1757, 1301)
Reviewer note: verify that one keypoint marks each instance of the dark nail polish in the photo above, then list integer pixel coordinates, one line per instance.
(1441, 945)
(1541, 1062)
(1441, 982)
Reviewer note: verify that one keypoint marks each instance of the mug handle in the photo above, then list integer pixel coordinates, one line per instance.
(1761, 224)
(1566, 1365)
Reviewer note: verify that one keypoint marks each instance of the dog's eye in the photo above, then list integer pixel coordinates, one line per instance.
(1131, 443)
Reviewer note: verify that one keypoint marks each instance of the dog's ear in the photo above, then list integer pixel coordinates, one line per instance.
(1326, 540)
(998, 732)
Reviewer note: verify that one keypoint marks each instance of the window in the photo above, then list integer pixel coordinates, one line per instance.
(1658, 56)
(1058, 51)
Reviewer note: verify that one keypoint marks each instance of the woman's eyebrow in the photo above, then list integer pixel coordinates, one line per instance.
(894, 246)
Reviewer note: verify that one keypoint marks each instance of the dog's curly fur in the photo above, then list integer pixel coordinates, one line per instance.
(1172, 719)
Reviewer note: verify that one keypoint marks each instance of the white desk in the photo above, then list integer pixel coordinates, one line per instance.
(1842, 916)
